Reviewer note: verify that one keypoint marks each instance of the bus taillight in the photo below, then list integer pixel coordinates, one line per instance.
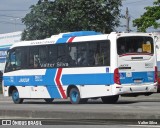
(116, 76)
(156, 74)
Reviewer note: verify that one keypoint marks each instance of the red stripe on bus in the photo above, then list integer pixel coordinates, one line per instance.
(59, 72)
(128, 54)
(70, 39)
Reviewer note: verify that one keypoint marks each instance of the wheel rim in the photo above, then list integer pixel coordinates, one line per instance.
(16, 96)
(74, 96)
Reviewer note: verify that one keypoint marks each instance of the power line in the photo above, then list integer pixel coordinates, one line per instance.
(136, 2)
(6, 22)
(8, 16)
(132, 16)
(14, 10)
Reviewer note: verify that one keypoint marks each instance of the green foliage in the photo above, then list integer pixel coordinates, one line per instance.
(39, 22)
(49, 18)
(149, 18)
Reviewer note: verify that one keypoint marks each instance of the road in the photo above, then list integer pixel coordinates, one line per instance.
(128, 111)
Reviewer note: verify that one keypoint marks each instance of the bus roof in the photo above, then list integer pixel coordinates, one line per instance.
(60, 38)
(81, 33)
(65, 37)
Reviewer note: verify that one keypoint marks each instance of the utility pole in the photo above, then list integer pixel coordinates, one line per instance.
(127, 20)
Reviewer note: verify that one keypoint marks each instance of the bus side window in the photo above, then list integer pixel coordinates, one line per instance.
(99, 56)
(102, 54)
(92, 53)
(18, 59)
(43, 56)
(61, 58)
(72, 57)
(34, 61)
(82, 55)
(52, 55)
(14, 60)
(12, 64)
(8, 63)
(91, 59)
(31, 62)
(105, 52)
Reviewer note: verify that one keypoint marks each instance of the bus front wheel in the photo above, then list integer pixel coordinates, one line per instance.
(110, 99)
(15, 97)
(75, 97)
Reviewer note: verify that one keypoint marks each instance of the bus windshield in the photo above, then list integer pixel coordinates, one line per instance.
(135, 45)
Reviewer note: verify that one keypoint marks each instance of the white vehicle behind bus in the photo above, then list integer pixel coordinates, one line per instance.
(82, 65)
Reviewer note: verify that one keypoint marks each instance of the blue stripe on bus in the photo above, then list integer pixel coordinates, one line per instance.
(90, 79)
(80, 33)
(49, 80)
(53, 92)
(76, 79)
(35, 80)
(144, 77)
(62, 40)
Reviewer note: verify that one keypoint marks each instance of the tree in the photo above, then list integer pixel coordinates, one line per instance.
(149, 18)
(47, 18)
(39, 22)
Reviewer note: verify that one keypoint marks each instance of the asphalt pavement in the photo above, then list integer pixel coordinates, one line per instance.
(128, 110)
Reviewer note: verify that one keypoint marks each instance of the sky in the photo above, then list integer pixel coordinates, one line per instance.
(12, 11)
(136, 9)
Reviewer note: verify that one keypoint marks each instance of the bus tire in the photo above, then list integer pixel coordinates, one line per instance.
(49, 100)
(74, 95)
(110, 99)
(15, 97)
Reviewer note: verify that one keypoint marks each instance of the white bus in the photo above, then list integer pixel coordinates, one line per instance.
(82, 65)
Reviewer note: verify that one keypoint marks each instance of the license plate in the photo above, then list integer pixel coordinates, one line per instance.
(137, 81)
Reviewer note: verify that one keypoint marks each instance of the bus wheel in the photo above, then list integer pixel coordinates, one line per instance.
(15, 97)
(110, 99)
(74, 96)
(49, 100)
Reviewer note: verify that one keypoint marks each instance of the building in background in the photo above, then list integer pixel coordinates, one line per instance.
(7, 40)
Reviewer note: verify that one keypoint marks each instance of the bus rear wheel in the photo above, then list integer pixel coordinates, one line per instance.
(110, 99)
(75, 97)
(15, 97)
